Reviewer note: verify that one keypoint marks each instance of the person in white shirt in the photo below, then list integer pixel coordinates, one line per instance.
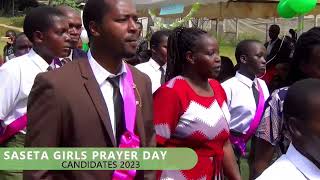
(47, 29)
(156, 67)
(93, 102)
(22, 45)
(75, 29)
(50, 39)
(246, 93)
(301, 110)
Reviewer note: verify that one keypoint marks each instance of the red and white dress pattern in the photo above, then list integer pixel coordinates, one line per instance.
(184, 119)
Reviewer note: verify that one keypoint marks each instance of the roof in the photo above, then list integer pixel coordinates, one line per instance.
(220, 9)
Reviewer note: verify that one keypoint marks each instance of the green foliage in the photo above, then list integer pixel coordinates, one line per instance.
(12, 21)
(71, 3)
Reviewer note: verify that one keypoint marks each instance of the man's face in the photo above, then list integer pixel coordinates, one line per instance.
(160, 52)
(273, 32)
(75, 27)
(118, 30)
(255, 58)
(10, 39)
(56, 39)
(22, 46)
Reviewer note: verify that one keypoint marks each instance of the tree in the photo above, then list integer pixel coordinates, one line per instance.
(71, 3)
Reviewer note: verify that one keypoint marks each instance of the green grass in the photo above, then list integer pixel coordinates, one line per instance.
(228, 51)
(12, 21)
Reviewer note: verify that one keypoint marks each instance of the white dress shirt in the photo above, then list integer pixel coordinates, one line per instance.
(101, 76)
(17, 77)
(152, 69)
(241, 102)
(292, 166)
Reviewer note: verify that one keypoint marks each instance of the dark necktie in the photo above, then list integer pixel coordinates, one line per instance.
(118, 107)
(255, 93)
(65, 61)
(49, 68)
(162, 79)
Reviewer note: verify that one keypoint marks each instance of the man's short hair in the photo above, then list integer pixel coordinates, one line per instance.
(243, 48)
(94, 10)
(275, 28)
(157, 37)
(40, 19)
(298, 101)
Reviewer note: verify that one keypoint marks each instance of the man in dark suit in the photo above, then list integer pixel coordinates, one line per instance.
(79, 105)
(278, 51)
(75, 28)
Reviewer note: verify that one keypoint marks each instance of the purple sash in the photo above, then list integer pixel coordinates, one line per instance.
(241, 141)
(13, 128)
(128, 138)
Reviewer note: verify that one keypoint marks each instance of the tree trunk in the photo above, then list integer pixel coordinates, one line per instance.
(50, 2)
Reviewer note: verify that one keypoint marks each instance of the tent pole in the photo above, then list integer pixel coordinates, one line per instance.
(315, 21)
(267, 32)
(300, 25)
(12, 7)
(237, 29)
(217, 28)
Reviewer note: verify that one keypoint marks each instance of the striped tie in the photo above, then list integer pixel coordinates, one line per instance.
(65, 61)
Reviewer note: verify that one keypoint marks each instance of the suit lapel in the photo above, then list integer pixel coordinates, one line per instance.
(139, 126)
(94, 91)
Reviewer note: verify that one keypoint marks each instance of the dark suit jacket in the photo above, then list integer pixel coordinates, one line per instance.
(280, 52)
(66, 109)
(78, 54)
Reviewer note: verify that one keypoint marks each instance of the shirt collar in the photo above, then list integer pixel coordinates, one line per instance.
(304, 165)
(99, 72)
(245, 80)
(156, 66)
(38, 60)
(70, 56)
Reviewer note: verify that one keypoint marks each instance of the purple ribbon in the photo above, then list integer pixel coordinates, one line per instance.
(13, 128)
(1, 128)
(241, 141)
(128, 138)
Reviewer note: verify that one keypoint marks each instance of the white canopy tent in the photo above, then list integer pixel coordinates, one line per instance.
(147, 4)
(219, 9)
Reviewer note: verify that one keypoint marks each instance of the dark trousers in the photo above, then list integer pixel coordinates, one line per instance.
(249, 155)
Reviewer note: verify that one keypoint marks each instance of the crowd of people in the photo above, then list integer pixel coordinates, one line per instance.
(172, 91)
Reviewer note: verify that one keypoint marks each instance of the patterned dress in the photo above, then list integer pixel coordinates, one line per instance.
(272, 127)
(184, 119)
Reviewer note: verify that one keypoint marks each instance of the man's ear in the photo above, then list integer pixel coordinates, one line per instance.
(94, 28)
(243, 59)
(293, 127)
(38, 37)
(190, 57)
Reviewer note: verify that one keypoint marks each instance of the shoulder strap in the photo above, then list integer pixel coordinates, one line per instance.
(129, 100)
(257, 117)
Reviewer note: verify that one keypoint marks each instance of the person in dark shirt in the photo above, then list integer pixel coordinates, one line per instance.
(22, 45)
(278, 51)
(8, 50)
(227, 69)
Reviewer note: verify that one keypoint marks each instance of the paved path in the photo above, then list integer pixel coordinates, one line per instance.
(11, 27)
